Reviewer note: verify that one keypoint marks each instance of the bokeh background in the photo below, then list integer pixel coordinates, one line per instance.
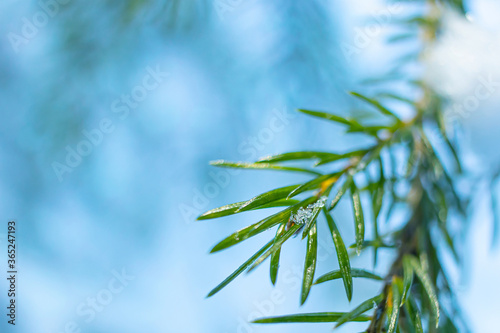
(229, 75)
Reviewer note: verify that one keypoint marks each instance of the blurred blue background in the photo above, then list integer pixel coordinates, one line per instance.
(159, 88)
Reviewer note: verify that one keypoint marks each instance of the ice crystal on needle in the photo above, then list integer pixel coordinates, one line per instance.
(305, 214)
(302, 216)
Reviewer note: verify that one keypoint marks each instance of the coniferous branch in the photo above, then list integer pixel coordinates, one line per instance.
(414, 290)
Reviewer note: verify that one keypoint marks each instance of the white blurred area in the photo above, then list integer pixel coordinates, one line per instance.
(464, 66)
